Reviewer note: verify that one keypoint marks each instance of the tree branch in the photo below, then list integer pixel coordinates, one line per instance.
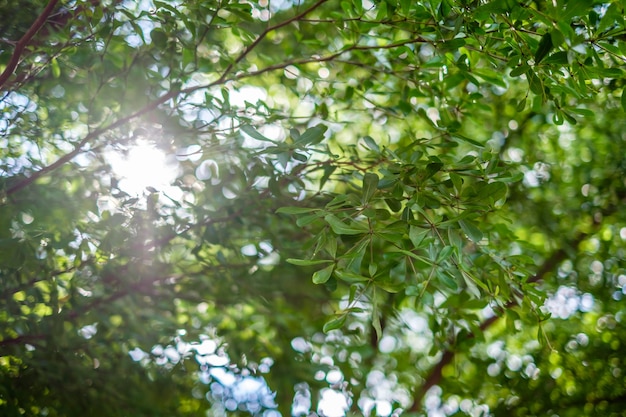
(263, 34)
(153, 105)
(24, 40)
(435, 374)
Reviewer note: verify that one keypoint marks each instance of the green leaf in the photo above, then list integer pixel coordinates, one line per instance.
(308, 219)
(432, 168)
(350, 277)
(446, 279)
(463, 138)
(471, 230)
(312, 136)
(335, 323)
(340, 227)
(444, 254)
(575, 8)
(159, 38)
(545, 45)
(522, 69)
(56, 69)
(423, 262)
(417, 235)
(252, 132)
(308, 262)
(295, 210)
(623, 100)
(371, 143)
(328, 171)
(492, 192)
(376, 320)
(394, 205)
(321, 276)
(370, 184)
(471, 286)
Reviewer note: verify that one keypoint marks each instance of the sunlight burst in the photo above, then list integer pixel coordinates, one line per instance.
(141, 167)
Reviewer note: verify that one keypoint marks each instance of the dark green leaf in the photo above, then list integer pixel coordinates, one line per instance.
(312, 136)
(295, 210)
(307, 262)
(335, 323)
(545, 46)
(340, 227)
(471, 230)
(321, 276)
(370, 185)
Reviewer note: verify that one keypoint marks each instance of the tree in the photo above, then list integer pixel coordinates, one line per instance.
(277, 208)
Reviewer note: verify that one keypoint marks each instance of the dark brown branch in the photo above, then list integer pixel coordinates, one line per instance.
(435, 374)
(79, 147)
(24, 40)
(22, 339)
(153, 105)
(263, 34)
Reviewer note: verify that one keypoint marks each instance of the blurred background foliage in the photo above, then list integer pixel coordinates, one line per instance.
(312, 208)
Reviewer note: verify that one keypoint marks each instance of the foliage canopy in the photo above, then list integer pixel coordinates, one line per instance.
(335, 207)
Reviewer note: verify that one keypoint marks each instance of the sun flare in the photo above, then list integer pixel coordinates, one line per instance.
(141, 167)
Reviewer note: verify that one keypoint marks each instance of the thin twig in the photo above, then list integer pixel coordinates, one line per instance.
(153, 105)
(435, 374)
(24, 40)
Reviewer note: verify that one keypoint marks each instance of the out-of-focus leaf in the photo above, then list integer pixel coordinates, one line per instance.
(307, 262)
(321, 276)
(545, 46)
(370, 184)
(341, 228)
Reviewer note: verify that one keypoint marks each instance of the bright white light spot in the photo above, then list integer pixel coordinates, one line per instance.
(249, 250)
(323, 72)
(300, 345)
(556, 373)
(433, 114)
(207, 170)
(224, 377)
(27, 218)
(143, 166)
(88, 331)
(530, 179)
(495, 350)
(291, 72)
(216, 360)
(238, 98)
(494, 369)
(334, 376)
(137, 354)
(586, 302)
(387, 344)
(566, 302)
(333, 404)
(515, 154)
(597, 267)
(582, 339)
(172, 354)
(190, 153)
(383, 408)
(514, 363)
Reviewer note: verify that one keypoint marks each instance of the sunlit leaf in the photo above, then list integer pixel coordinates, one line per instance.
(321, 276)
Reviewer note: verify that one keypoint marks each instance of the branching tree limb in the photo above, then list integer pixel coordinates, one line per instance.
(435, 374)
(24, 40)
(161, 100)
